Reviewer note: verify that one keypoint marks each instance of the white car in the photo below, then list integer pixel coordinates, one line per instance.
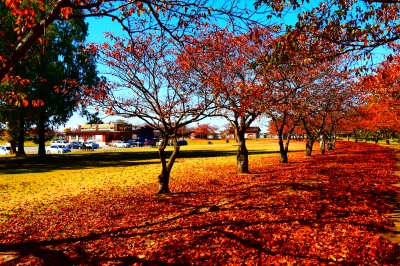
(4, 150)
(57, 149)
(61, 142)
(121, 144)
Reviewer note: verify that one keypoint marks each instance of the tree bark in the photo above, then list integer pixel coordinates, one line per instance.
(166, 166)
(322, 145)
(283, 151)
(13, 146)
(309, 145)
(242, 157)
(21, 137)
(163, 183)
(42, 133)
(331, 142)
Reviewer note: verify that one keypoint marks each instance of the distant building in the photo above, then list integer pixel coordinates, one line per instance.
(109, 132)
(251, 133)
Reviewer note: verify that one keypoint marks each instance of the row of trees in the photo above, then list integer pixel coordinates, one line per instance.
(218, 73)
(173, 67)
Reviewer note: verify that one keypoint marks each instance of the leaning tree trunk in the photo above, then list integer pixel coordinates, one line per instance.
(309, 145)
(282, 151)
(242, 157)
(166, 166)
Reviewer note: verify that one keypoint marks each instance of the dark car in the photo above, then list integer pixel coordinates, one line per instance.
(182, 142)
(149, 143)
(76, 145)
(136, 142)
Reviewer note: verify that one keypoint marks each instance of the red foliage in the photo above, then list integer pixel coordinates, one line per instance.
(203, 130)
(312, 211)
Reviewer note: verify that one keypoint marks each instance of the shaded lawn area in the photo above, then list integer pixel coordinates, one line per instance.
(325, 209)
(104, 159)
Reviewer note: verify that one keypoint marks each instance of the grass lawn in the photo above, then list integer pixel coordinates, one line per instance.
(100, 208)
(27, 180)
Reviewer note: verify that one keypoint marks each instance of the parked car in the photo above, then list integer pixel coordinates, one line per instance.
(4, 150)
(76, 145)
(182, 142)
(57, 149)
(121, 144)
(136, 142)
(92, 144)
(149, 143)
(61, 142)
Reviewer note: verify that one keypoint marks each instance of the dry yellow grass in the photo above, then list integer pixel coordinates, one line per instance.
(45, 187)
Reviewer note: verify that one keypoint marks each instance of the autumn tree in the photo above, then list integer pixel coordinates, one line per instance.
(145, 83)
(334, 28)
(172, 18)
(327, 100)
(223, 61)
(204, 130)
(383, 83)
(283, 124)
(289, 83)
(377, 121)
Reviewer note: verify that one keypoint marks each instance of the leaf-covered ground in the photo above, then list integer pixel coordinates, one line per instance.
(324, 209)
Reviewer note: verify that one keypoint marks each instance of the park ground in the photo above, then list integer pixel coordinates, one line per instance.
(100, 208)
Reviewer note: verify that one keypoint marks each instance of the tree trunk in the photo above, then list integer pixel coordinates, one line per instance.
(21, 137)
(282, 151)
(242, 158)
(163, 182)
(309, 145)
(166, 166)
(330, 145)
(42, 133)
(331, 142)
(13, 146)
(322, 145)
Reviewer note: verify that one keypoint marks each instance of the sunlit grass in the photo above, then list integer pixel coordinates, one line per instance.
(32, 181)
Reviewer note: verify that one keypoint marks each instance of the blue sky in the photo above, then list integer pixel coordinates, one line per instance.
(97, 27)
